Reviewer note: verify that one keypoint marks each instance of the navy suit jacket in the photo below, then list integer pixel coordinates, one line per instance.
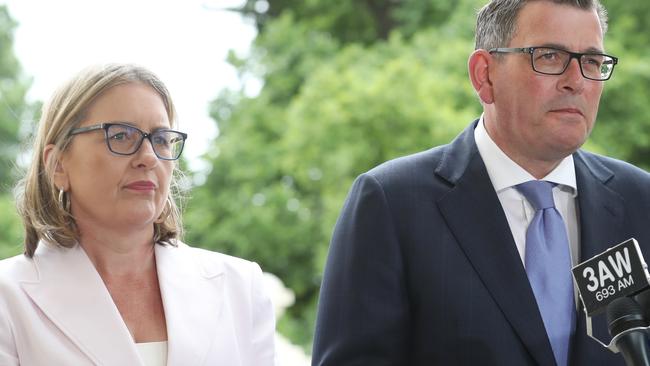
(423, 269)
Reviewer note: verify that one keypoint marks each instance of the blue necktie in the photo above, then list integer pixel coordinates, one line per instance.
(548, 265)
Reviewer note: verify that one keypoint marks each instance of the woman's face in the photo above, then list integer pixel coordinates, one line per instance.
(118, 192)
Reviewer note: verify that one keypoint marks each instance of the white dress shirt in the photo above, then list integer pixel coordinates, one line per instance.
(505, 174)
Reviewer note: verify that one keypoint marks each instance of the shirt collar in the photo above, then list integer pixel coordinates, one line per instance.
(505, 173)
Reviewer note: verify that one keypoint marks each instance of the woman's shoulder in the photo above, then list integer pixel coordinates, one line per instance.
(213, 263)
(14, 272)
(19, 267)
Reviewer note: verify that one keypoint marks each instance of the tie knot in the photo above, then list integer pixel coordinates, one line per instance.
(538, 192)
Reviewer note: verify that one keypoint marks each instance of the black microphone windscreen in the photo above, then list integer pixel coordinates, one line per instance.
(643, 298)
(624, 313)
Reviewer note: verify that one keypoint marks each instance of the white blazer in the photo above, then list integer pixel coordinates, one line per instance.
(55, 310)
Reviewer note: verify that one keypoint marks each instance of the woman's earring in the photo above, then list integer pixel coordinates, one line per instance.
(64, 200)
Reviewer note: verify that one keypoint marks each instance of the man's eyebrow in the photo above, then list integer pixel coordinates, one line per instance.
(593, 50)
(564, 48)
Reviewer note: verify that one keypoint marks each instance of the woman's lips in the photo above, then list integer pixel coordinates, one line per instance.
(141, 185)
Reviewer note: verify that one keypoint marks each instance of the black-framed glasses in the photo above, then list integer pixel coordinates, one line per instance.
(553, 61)
(124, 139)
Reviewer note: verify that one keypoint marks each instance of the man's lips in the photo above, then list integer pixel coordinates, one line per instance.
(141, 185)
(568, 110)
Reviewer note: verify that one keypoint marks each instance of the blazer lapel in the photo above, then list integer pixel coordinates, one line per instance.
(601, 209)
(601, 218)
(489, 245)
(193, 297)
(71, 294)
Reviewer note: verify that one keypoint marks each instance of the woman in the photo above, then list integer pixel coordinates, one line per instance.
(105, 279)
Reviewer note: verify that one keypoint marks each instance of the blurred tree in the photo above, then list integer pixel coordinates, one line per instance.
(359, 21)
(629, 23)
(13, 108)
(334, 103)
(11, 229)
(348, 86)
(15, 117)
(623, 128)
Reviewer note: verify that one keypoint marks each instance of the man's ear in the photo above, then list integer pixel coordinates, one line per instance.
(60, 176)
(479, 65)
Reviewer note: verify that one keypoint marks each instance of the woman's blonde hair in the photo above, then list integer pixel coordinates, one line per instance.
(38, 200)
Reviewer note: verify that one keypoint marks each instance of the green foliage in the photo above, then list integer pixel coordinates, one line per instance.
(348, 85)
(347, 21)
(623, 129)
(629, 23)
(370, 105)
(328, 111)
(13, 109)
(15, 115)
(11, 235)
(364, 21)
(286, 55)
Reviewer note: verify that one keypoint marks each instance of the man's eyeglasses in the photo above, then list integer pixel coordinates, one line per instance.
(123, 139)
(553, 61)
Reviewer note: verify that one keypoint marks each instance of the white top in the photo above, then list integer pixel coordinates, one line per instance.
(505, 174)
(153, 353)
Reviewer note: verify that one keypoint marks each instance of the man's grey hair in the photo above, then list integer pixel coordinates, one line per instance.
(495, 23)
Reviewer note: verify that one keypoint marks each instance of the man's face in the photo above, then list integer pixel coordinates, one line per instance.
(540, 118)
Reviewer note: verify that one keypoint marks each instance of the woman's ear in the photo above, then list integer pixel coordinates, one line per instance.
(60, 176)
(479, 73)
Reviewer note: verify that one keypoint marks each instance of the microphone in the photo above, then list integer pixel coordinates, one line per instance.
(643, 298)
(628, 326)
(608, 282)
(617, 272)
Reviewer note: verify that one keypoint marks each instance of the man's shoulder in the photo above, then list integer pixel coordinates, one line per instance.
(411, 175)
(431, 172)
(409, 166)
(441, 164)
(613, 169)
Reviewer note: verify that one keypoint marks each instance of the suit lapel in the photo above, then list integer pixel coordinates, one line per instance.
(489, 245)
(193, 297)
(71, 294)
(601, 209)
(601, 226)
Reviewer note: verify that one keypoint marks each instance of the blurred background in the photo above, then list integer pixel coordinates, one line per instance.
(286, 102)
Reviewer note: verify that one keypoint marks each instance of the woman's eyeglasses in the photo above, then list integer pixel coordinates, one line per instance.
(124, 139)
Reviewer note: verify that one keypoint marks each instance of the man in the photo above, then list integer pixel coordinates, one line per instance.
(432, 261)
